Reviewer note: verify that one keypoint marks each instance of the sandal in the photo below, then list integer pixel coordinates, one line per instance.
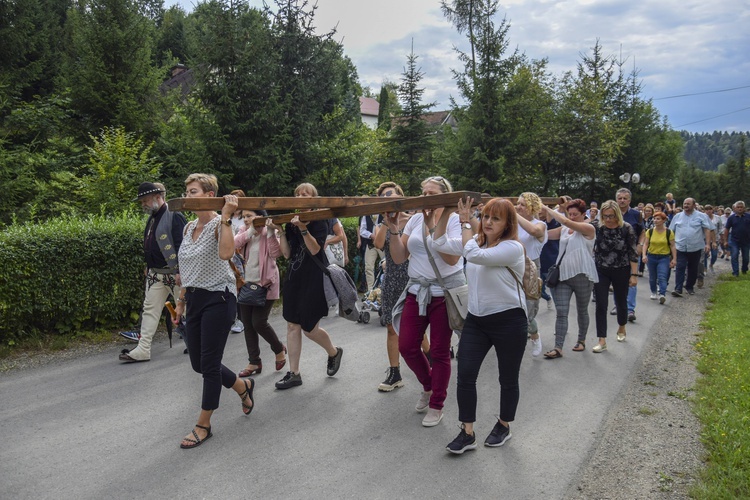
(197, 441)
(247, 410)
(280, 364)
(580, 346)
(553, 354)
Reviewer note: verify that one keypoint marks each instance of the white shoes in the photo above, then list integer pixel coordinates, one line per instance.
(662, 299)
(536, 347)
(654, 296)
(432, 418)
(424, 402)
(238, 327)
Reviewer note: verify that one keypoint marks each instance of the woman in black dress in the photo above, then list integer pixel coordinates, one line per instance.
(304, 299)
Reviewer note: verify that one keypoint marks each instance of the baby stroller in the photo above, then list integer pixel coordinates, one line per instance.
(372, 300)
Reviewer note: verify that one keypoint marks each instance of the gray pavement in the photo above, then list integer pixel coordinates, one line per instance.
(92, 427)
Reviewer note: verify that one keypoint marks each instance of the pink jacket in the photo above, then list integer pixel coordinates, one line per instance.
(269, 250)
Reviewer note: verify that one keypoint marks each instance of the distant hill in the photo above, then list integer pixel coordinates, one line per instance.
(707, 151)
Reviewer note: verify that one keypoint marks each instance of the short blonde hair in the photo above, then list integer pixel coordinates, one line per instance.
(306, 186)
(208, 182)
(611, 205)
(445, 186)
(392, 185)
(533, 202)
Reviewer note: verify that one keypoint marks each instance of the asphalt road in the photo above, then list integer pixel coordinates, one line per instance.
(95, 428)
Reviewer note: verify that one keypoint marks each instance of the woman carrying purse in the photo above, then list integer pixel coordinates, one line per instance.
(260, 249)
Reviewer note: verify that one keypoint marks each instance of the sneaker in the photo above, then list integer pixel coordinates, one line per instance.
(699, 283)
(238, 327)
(392, 380)
(334, 362)
(599, 348)
(432, 418)
(290, 380)
(424, 401)
(536, 347)
(613, 312)
(631, 316)
(691, 292)
(711, 268)
(499, 435)
(654, 296)
(462, 443)
(132, 336)
(549, 304)
(676, 293)
(662, 299)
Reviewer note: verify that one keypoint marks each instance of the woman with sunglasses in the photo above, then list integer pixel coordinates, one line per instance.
(577, 274)
(616, 261)
(422, 303)
(209, 299)
(304, 299)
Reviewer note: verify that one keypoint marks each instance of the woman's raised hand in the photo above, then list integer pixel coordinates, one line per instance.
(464, 208)
(230, 206)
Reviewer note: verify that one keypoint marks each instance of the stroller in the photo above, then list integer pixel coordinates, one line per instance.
(372, 300)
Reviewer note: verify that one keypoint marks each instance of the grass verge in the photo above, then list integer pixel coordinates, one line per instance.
(722, 400)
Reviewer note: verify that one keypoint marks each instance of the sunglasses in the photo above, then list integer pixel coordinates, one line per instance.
(387, 193)
(609, 217)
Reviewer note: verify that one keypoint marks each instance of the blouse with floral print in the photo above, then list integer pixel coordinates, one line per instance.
(615, 248)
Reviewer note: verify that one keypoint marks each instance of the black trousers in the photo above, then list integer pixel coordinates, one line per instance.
(619, 279)
(507, 331)
(208, 318)
(256, 323)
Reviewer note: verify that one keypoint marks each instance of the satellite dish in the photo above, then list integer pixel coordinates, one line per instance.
(636, 178)
(625, 177)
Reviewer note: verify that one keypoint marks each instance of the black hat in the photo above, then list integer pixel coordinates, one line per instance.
(147, 188)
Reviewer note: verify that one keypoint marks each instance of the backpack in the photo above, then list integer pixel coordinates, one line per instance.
(650, 232)
(531, 283)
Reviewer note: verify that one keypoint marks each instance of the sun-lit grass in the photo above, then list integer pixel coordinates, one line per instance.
(722, 398)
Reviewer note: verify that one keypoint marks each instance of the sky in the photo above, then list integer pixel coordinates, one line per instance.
(679, 47)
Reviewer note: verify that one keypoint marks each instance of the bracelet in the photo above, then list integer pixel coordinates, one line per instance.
(464, 221)
(431, 230)
(304, 232)
(181, 299)
(634, 274)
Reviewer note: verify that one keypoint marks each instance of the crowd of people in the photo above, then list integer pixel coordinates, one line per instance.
(590, 249)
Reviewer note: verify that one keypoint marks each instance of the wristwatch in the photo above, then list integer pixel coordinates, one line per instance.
(466, 225)
(227, 222)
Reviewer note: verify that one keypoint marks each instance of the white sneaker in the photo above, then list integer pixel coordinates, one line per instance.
(549, 304)
(432, 418)
(424, 401)
(662, 299)
(654, 296)
(536, 346)
(238, 327)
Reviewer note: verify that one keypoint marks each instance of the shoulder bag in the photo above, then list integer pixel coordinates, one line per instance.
(456, 299)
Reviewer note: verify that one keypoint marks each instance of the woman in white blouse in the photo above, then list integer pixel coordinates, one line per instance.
(497, 312)
(577, 273)
(209, 299)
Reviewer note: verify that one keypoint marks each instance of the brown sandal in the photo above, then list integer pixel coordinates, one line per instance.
(580, 346)
(553, 354)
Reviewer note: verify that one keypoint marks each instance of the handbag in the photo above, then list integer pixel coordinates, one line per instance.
(553, 274)
(237, 263)
(335, 252)
(456, 299)
(339, 287)
(252, 294)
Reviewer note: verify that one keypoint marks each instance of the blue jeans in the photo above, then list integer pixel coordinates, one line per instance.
(632, 290)
(658, 270)
(735, 249)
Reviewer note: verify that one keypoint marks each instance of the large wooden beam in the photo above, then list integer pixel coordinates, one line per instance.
(271, 203)
(381, 205)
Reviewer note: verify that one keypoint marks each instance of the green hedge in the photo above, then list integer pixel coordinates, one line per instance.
(70, 273)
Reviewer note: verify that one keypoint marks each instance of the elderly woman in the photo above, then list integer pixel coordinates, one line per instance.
(260, 248)
(532, 233)
(496, 317)
(209, 302)
(577, 274)
(304, 299)
(422, 303)
(617, 265)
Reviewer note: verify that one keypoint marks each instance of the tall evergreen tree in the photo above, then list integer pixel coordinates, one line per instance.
(410, 140)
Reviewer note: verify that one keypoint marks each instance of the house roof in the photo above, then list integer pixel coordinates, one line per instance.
(369, 106)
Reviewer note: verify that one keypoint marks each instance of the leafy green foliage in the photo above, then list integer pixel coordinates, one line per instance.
(70, 273)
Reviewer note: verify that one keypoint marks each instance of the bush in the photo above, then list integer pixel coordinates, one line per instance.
(70, 273)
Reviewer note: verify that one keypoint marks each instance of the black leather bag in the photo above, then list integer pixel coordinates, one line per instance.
(553, 276)
(252, 294)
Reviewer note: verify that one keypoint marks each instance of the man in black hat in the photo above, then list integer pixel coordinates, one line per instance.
(161, 243)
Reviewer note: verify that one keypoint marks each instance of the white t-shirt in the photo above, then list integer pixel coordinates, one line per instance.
(531, 243)
(419, 264)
